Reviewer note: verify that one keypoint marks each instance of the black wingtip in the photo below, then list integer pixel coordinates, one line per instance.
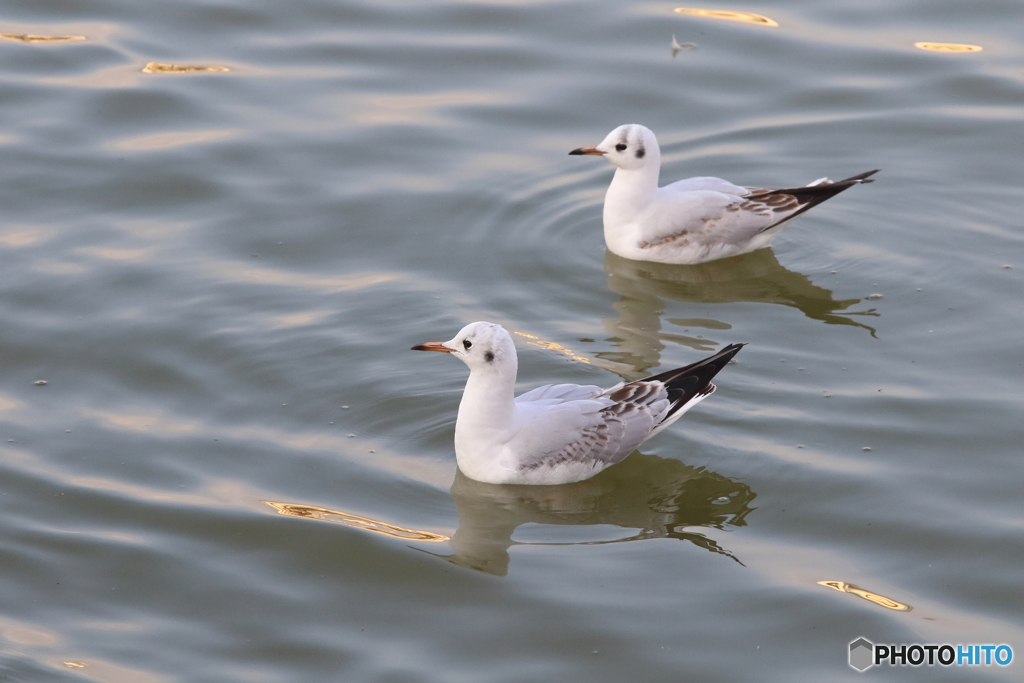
(703, 371)
(683, 384)
(860, 178)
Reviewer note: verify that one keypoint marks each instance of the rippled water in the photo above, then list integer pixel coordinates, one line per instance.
(236, 470)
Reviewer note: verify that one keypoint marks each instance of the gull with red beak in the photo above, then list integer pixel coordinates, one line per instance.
(697, 219)
(561, 433)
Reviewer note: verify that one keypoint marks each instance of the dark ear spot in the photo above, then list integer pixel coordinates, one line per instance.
(489, 357)
(640, 153)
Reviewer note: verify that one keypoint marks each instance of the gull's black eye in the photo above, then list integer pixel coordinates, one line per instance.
(621, 146)
(466, 344)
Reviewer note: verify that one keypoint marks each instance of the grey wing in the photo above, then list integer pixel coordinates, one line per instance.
(560, 393)
(711, 210)
(707, 183)
(640, 406)
(608, 435)
(684, 218)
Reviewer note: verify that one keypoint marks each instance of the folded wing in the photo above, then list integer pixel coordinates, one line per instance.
(713, 212)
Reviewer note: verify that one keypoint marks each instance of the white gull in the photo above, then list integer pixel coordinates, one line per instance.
(558, 433)
(697, 219)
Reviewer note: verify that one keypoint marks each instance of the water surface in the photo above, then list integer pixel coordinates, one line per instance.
(235, 469)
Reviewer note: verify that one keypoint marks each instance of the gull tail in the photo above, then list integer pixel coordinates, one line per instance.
(823, 186)
(690, 385)
(810, 196)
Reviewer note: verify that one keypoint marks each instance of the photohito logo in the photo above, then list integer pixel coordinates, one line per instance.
(865, 654)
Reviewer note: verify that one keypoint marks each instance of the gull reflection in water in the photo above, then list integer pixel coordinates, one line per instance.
(652, 497)
(756, 277)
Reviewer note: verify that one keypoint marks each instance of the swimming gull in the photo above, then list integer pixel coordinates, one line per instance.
(558, 433)
(697, 219)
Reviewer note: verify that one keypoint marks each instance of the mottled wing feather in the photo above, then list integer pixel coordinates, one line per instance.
(770, 203)
(791, 202)
(712, 211)
(627, 416)
(640, 406)
(689, 218)
(600, 429)
(561, 432)
(596, 445)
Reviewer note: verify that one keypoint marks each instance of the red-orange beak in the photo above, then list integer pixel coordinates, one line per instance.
(592, 151)
(431, 346)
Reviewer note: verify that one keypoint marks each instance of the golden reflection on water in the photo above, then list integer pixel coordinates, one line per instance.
(105, 672)
(156, 67)
(248, 273)
(888, 603)
(25, 237)
(419, 110)
(365, 523)
(299, 319)
(29, 38)
(171, 140)
(22, 633)
(948, 47)
(154, 422)
(114, 254)
(552, 346)
(746, 17)
(7, 403)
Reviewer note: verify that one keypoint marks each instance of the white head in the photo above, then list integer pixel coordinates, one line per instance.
(628, 147)
(481, 346)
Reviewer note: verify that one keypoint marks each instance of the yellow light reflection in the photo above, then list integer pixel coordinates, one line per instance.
(299, 319)
(420, 110)
(365, 523)
(29, 38)
(746, 17)
(23, 634)
(156, 67)
(155, 422)
(26, 237)
(171, 140)
(248, 273)
(552, 346)
(113, 254)
(888, 603)
(105, 672)
(948, 47)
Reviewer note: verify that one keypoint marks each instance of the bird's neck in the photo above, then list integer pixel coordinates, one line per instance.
(631, 190)
(487, 411)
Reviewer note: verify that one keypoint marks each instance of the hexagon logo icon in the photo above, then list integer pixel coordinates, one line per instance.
(862, 653)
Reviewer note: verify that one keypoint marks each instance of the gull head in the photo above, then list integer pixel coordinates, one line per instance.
(629, 147)
(480, 345)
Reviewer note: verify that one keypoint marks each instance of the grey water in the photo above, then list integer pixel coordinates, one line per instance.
(219, 461)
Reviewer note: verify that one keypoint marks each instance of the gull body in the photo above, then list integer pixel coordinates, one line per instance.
(697, 219)
(558, 433)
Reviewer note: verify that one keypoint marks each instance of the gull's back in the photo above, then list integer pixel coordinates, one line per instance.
(569, 432)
